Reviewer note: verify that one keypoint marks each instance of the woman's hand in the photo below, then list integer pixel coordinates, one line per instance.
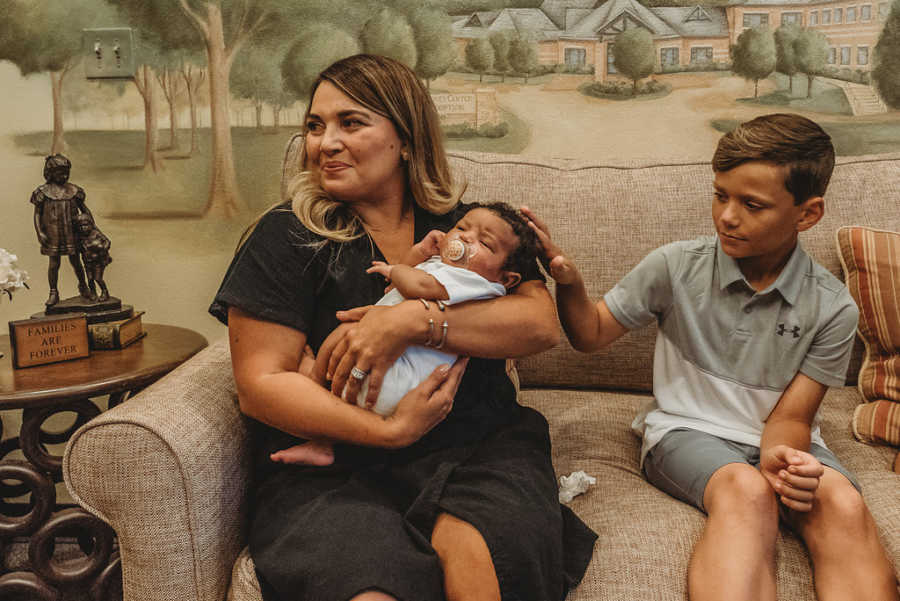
(426, 405)
(560, 267)
(370, 339)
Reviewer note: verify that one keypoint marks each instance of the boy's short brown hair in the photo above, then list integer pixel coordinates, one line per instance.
(789, 140)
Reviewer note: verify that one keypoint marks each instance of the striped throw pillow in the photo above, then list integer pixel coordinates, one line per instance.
(877, 422)
(871, 262)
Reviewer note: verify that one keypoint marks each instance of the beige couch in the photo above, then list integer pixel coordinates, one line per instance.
(168, 469)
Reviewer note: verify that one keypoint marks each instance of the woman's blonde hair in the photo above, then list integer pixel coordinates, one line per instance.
(391, 89)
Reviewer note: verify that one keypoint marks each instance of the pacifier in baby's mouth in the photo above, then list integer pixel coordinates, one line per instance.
(457, 251)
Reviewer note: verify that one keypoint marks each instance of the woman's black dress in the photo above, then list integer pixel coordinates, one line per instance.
(329, 533)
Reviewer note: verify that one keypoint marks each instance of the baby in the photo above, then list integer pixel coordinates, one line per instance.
(481, 257)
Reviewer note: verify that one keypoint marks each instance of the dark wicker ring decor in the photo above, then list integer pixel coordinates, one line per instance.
(66, 523)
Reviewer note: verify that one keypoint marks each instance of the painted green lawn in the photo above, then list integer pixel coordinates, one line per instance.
(826, 97)
(109, 165)
(850, 139)
(512, 143)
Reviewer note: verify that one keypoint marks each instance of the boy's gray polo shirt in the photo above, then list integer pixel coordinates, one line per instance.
(725, 353)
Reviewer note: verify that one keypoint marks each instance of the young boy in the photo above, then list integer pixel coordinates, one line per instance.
(752, 332)
(481, 257)
(94, 249)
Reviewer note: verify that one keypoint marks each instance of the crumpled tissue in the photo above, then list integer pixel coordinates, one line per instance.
(573, 485)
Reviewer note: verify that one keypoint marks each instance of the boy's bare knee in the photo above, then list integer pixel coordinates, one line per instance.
(843, 503)
(739, 489)
(839, 507)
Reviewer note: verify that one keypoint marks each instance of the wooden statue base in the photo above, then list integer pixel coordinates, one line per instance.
(111, 309)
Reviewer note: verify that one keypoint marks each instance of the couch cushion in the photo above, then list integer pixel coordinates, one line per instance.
(645, 536)
(609, 218)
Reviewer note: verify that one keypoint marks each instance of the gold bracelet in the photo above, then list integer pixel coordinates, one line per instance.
(430, 340)
(444, 327)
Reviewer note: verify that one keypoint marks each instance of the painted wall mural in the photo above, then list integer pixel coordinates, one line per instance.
(178, 159)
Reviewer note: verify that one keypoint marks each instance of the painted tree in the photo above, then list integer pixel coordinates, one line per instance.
(811, 55)
(500, 43)
(45, 37)
(80, 96)
(389, 34)
(435, 48)
(94, 97)
(319, 45)
(225, 27)
(256, 76)
(194, 75)
(172, 87)
(281, 101)
(522, 56)
(480, 56)
(634, 55)
(149, 59)
(785, 54)
(753, 57)
(886, 73)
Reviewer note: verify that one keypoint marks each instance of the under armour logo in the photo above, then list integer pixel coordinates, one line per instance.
(795, 330)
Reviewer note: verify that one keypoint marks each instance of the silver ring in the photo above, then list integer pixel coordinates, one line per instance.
(358, 374)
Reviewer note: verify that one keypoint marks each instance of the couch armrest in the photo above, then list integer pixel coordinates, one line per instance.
(168, 470)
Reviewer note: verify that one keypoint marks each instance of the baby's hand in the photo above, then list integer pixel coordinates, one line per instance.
(430, 245)
(382, 268)
(560, 267)
(307, 362)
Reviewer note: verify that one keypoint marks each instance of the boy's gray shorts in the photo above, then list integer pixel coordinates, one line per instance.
(684, 460)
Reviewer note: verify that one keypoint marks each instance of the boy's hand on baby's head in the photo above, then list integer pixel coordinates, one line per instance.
(560, 267)
(563, 271)
(793, 474)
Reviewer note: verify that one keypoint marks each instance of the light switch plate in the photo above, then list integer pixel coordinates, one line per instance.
(109, 53)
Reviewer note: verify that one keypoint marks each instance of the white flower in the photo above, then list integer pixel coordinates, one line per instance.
(11, 277)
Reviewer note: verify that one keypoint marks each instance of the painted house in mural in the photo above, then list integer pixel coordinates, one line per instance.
(580, 32)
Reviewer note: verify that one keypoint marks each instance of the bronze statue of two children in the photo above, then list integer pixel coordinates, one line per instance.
(65, 226)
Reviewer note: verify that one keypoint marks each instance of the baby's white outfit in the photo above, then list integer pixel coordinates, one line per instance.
(418, 362)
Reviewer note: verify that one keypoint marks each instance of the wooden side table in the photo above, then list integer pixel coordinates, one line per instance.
(38, 525)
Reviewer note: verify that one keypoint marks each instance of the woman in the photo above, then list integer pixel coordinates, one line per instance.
(430, 503)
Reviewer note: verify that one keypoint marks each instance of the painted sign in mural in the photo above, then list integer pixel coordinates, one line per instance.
(476, 109)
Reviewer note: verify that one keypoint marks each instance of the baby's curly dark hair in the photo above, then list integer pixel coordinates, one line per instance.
(524, 258)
